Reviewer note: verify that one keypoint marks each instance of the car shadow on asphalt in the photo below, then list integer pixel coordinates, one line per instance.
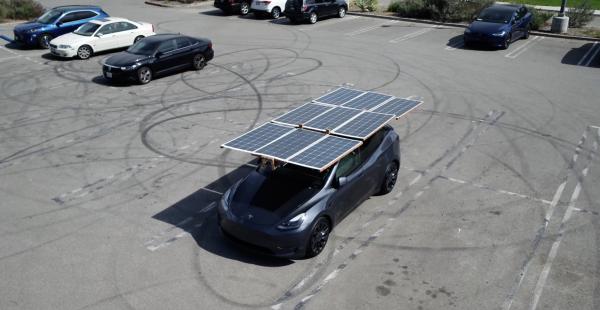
(216, 12)
(18, 46)
(196, 214)
(457, 42)
(582, 56)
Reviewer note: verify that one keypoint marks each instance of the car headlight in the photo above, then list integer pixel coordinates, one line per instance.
(226, 200)
(293, 223)
(467, 30)
(499, 34)
(64, 46)
(132, 67)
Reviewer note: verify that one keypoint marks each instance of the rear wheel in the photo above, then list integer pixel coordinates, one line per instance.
(389, 178)
(318, 237)
(313, 18)
(341, 12)
(137, 39)
(44, 40)
(199, 62)
(84, 52)
(276, 12)
(244, 8)
(144, 75)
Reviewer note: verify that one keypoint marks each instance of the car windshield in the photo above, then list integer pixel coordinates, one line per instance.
(87, 29)
(49, 17)
(143, 48)
(492, 15)
(290, 173)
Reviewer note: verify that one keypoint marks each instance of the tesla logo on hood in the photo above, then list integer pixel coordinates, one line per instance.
(250, 216)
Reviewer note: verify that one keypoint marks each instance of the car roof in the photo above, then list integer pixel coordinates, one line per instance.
(66, 8)
(107, 20)
(163, 36)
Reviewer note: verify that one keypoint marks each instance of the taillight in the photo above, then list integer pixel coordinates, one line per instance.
(304, 7)
(210, 45)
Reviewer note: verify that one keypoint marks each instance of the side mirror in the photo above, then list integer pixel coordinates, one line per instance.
(100, 35)
(341, 181)
(58, 23)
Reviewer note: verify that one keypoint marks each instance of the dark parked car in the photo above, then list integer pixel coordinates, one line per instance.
(312, 10)
(157, 55)
(234, 6)
(499, 25)
(291, 210)
(55, 22)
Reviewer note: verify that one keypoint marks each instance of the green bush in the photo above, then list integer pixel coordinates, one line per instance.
(20, 9)
(443, 10)
(539, 17)
(367, 5)
(410, 8)
(581, 14)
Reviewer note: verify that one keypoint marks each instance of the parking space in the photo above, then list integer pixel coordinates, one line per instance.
(109, 190)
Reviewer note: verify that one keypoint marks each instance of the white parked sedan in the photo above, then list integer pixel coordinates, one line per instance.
(100, 35)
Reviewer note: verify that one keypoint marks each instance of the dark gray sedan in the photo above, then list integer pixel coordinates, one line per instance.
(290, 211)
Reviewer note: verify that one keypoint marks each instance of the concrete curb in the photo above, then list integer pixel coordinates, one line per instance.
(178, 6)
(457, 25)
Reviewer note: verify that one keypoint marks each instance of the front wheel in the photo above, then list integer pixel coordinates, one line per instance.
(137, 39)
(389, 178)
(526, 34)
(341, 12)
(318, 237)
(44, 40)
(313, 18)
(506, 42)
(275, 13)
(199, 62)
(144, 75)
(244, 8)
(84, 52)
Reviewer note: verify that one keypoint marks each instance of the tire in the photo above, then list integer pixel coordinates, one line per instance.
(244, 8)
(389, 178)
(44, 40)
(276, 12)
(526, 34)
(506, 43)
(137, 39)
(313, 18)
(199, 62)
(341, 12)
(319, 234)
(144, 75)
(84, 52)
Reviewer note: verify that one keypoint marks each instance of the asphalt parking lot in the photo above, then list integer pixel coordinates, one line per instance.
(108, 191)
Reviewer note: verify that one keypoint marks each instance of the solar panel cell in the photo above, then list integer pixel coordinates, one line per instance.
(339, 96)
(292, 143)
(397, 106)
(302, 114)
(367, 101)
(332, 118)
(258, 137)
(364, 125)
(325, 153)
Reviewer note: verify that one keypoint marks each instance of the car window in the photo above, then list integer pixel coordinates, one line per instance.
(127, 26)
(108, 28)
(370, 145)
(85, 15)
(182, 42)
(49, 17)
(348, 164)
(69, 17)
(167, 46)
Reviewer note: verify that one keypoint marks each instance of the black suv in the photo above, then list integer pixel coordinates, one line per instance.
(312, 10)
(233, 6)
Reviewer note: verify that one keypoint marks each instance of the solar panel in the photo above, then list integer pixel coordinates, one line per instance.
(291, 144)
(325, 152)
(332, 118)
(397, 106)
(258, 137)
(364, 125)
(367, 101)
(339, 96)
(302, 114)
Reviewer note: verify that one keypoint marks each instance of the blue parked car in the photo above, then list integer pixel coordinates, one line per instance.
(55, 22)
(499, 25)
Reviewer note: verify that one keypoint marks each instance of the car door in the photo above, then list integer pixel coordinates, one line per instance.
(122, 35)
(516, 26)
(349, 186)
(71, 21)
(166, 56)
(184, 51)
(130, 32)
(105, 37)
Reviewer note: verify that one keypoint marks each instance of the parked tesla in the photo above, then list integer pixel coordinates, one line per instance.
(499, 25)
(290, 211)
(156, 55)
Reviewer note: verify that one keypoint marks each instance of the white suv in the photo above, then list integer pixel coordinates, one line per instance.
(274, 8)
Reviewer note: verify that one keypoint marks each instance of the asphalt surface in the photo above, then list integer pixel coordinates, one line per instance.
(108, 191)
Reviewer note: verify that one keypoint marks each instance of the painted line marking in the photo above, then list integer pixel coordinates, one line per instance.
(587, 53)
(6, 38)
(411, 35)
(587, 64)
(369, 28)
(523, 48)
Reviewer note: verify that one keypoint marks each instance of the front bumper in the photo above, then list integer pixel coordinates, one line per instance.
(60, 52)
(29, 39)
(265, 239)
(115, 73)
(484, 39)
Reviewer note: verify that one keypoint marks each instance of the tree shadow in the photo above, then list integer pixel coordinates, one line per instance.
(197, 215)
(585, 55)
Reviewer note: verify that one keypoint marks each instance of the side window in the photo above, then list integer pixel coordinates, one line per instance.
(348, 164)
(69, 17)
(167, 46)
(127, 26)
(108, 28)
(369, 147)
(86, 14)
(182, 42)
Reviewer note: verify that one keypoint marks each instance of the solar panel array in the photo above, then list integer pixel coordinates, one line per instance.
(330, 128)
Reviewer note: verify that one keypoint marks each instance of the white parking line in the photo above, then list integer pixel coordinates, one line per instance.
(595, 47)
(521, 49)
(367, 29)
(411, 35)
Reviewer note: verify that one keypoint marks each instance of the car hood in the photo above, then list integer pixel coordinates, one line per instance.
(124, 59)
(487, 27)
(265, 201)
(29, 25)
(71, 39)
